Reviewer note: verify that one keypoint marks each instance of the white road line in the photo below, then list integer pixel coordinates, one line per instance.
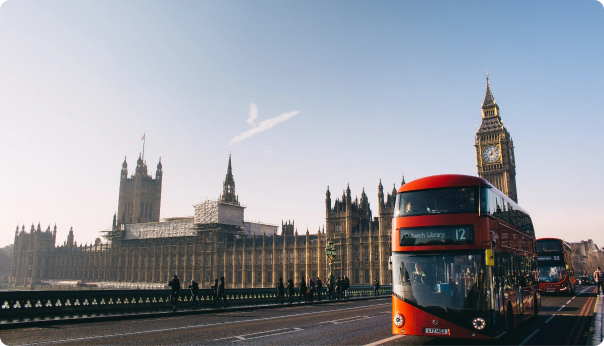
(383, 341)
(529, 337)
(562, 307)
(199, 326)
(549, 319)
(568, 301)
(574, 297)
(264, 336)
(242, 337)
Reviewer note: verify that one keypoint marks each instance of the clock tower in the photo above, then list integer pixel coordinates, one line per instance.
(494, 149)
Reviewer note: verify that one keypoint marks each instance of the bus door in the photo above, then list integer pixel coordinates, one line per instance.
(498, 297)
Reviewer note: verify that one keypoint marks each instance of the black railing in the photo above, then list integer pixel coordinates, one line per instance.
(35, 305)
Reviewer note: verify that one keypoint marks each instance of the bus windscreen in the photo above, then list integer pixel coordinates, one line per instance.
(437, 201)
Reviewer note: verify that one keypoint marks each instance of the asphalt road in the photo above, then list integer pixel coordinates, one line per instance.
(347, 323)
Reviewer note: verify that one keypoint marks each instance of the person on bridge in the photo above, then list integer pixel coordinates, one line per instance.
(194, 287)
(215, 292)
(346, 286)
(376, 287)
(311, 289)
(329, 287)
(319, 287)
(280, 291)
(599, 279)
(338, 288)
(302, 292)
(290, 290)
(175, 284)
(221, 293)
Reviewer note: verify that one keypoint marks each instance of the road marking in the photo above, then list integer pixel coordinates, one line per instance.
(347, 319)
(568, 301)
(264, 336)
(549, 319)
(200, 325)
(383, 341)
(562, 307)
(258, 334)
(574, 297)
(529, 337)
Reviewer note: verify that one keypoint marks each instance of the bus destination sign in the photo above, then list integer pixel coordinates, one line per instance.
(445, 235)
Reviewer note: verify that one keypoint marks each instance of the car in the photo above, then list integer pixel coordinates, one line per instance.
(584, 280)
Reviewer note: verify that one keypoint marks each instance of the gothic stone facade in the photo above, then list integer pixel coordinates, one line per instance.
(142, 249)
(495, 149)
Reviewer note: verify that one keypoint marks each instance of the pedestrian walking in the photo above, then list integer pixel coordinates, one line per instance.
(311, 289)
(599, 279)
(221, 293)
(338, 289)
(194, 287)
(319, 287)
(175, 284)
(215, 292)
(280, 291)
(346, 286)
(302, 292)
(376, 287)
(329, 286)
(290, 290)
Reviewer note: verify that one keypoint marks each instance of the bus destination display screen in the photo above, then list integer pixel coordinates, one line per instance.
(443, 235)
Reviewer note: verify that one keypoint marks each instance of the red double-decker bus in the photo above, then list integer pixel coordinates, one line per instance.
(464, 260)
(556, 270)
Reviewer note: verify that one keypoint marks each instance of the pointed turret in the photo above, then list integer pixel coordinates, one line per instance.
(124, 168)
(489, 100)
(159, 171)
(141, 167)
(403, 182)
(228, 187)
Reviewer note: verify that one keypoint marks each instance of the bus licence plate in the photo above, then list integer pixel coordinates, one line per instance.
(436, 331)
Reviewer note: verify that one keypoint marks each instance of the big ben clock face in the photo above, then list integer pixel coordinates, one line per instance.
(490, 154)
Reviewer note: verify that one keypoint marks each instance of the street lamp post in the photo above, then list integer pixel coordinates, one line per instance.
(330, 252)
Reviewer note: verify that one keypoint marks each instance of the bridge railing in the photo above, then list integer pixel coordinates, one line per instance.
(29, 305)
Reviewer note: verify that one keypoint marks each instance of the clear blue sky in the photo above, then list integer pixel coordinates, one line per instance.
(379, 88)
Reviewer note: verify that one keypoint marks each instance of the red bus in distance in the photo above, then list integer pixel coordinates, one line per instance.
(556, 270)
(464, 260)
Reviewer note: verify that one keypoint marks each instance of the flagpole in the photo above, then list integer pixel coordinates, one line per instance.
(144, 145)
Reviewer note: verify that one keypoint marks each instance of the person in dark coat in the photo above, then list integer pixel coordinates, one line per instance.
(221, 292)
(215, 292)
(346, 286)
(302, 292)
(338, 288)
(319, 287)
(376, 287)
(175, 284)
(280, 289)
(290, 290)
(194, 287)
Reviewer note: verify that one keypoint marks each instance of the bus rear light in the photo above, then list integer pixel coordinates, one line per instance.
(399, 320)
(478, 323)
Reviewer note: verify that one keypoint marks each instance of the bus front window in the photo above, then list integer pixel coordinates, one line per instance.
(550, 274)
(449, 281)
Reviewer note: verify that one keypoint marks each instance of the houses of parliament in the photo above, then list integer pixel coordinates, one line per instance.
(217, 241)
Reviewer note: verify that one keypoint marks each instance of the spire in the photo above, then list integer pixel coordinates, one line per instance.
(228, 187)
(159, 171)
(489, 100)
(403, 182)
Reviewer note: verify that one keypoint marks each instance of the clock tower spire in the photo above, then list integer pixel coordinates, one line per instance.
(494, 148)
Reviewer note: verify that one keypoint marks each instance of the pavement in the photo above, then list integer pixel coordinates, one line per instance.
(596, 331)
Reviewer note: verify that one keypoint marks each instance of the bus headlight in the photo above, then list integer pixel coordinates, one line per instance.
(399, 320)
(479, 323)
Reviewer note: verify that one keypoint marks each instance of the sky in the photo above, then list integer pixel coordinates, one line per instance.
(302, 94)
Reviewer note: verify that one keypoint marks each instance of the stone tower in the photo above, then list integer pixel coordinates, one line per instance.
(495, 149)
(228, 187)
(140, 195)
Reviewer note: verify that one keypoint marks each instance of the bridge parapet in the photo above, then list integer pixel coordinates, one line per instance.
(16, 306)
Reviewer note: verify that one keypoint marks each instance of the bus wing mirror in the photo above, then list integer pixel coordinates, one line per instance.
(490, 260)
